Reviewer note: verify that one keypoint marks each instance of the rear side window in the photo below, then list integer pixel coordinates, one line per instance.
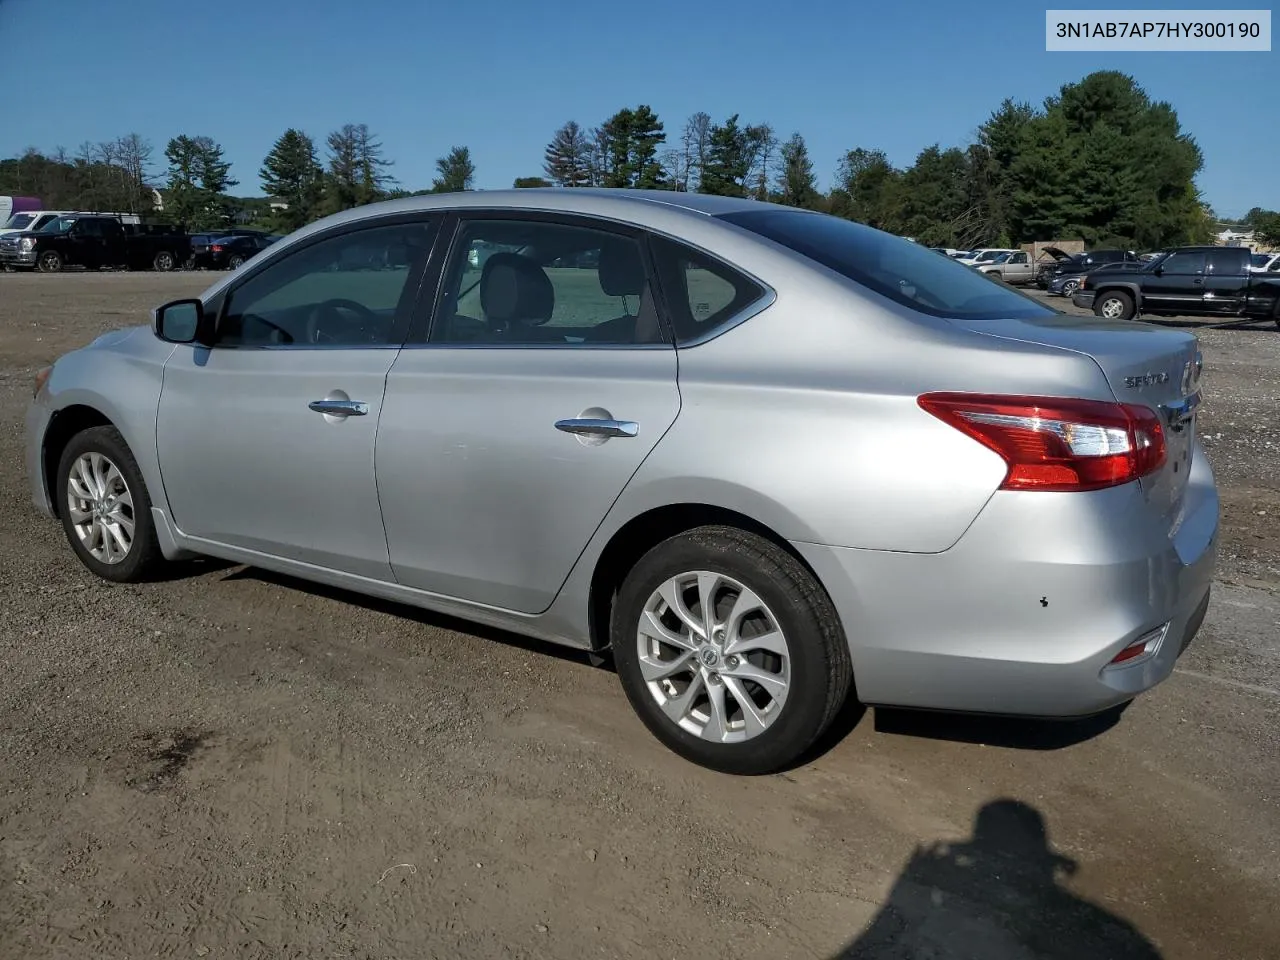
(897, 269)
(702, 294)
(1229, 262)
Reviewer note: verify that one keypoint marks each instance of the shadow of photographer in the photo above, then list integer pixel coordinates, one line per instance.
(994, 897)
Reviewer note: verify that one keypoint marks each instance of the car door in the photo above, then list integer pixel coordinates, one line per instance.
(85, 243)
(1226, 279)
(508, 432)
(1176, 283)
(266, 440)
(1018, 267)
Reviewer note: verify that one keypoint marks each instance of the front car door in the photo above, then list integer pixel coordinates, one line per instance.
(1176, 283)
(266, 440)
(511, 428)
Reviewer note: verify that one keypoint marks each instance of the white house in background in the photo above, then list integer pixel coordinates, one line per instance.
(279, 205)
(1235, 238)
(157, 200)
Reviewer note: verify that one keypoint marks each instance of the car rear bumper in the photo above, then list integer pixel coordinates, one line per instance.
(1084, 299)
(1025, 613)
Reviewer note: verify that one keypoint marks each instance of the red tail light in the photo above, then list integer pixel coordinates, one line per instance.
(1052, 443)
(216, 248)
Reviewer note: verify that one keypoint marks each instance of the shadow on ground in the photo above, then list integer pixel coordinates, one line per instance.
(996, 896)
(1016, 733)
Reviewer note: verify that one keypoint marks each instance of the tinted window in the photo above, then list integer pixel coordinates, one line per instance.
(1275, 266)
(903, 272)
(526, 282)
(1182, 264)
(702, 294)
(1232, 262)
(1259, 260)
(347, 290)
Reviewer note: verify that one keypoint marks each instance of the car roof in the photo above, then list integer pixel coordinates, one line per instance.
(600, 201)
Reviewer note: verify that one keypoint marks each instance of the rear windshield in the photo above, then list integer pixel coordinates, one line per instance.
(904, 272)
(19, 221)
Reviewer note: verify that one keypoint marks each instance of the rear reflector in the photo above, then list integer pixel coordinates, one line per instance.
(1053, 443)
(1145, 646)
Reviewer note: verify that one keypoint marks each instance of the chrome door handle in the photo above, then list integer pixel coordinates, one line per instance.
(340, 408)
(585, 426)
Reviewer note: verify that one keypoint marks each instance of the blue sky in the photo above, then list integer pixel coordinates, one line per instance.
(501, 76)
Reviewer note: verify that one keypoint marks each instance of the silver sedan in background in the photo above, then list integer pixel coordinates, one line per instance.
(764, 457)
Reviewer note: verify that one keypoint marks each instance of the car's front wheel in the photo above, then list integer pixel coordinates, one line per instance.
(729, 650)
(105, 507)
(1114, 305)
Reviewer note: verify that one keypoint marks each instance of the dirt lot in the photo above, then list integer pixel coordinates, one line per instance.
(234, 765)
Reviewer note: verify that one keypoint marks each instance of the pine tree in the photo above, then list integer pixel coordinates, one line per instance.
(728, 160)
(199, 178)
(290, 173)
(567, 157)
(357, 169)
(797, 185)
(646, 135)
(456, 172)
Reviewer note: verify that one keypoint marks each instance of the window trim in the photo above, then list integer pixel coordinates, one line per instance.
(419, 335)
(431, 219)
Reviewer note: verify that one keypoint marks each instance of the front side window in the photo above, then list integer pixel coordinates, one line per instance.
(347, 290)
(890, 266)
(1183, 264)
(527, 282)
(1275, 265)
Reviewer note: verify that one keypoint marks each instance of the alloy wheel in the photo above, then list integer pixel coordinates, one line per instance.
(100, 508)
(1113, 308)
(713, 657)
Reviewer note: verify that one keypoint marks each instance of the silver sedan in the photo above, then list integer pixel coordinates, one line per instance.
(758, 455)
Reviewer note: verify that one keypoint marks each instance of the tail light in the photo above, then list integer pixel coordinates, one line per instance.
(1051, 443)
(215, 248)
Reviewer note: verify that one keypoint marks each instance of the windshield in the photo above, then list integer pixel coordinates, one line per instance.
(990, 256)
(19, 221)
(906, 273)
(60, 225)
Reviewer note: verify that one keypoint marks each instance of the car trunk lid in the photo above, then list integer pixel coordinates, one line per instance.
(1144, 365)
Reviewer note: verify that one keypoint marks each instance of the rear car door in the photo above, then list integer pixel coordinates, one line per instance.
(509, 430)
(266, 440)
(1226, 279)
(1176, 284)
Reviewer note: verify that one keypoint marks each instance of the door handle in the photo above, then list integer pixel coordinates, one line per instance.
(340, 408)
(587, 427)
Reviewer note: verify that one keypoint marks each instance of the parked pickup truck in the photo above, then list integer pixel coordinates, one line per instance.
(1191, 281)
(94, 242)
(1013, 267)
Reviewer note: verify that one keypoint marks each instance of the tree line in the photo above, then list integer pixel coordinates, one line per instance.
(1100, 161)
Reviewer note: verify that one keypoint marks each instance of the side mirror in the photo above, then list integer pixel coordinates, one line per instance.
(1158, 271)
(180, 321)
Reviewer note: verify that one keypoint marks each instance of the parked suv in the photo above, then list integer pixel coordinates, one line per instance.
(1064, 279)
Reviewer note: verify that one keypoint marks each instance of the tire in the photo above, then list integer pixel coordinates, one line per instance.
(1069, 288)
(1114, 305)
(235, 262)
(818, 668)
(164, 261)
(105, 447)
(49, 262)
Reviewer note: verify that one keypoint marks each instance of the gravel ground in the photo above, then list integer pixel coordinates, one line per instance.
(232, 764)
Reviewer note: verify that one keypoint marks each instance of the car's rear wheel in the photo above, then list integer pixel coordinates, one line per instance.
(105, 507)
(164, 261)
(235, 262)
(729, 650)
(50, 262)
(1114, 305)
(1070, 287)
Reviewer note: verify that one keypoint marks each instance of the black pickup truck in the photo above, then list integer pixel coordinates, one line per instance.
(1187, 281)
(92, 241)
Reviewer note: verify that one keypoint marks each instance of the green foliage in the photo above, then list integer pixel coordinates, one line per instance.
(357, 171)
(291, 174)
(797, 185)
(199, 178)
(455, 172)
(728, 160)
(567, 160)
(867, 189)
(625, 150)
(523, 182)
(109, 176)
(1265, 225)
